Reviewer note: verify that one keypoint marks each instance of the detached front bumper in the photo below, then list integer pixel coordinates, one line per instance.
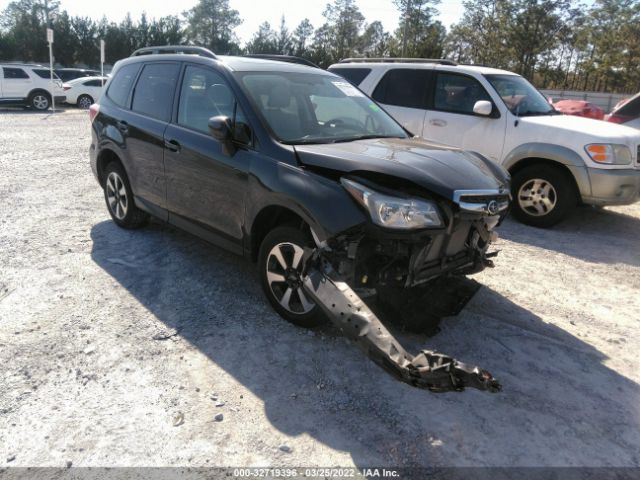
(613, 187)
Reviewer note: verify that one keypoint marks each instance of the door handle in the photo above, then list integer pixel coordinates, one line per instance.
(122, 126)
(172, 145)
(437, 122)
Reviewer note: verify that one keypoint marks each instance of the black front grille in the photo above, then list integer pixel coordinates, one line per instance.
(484, 198)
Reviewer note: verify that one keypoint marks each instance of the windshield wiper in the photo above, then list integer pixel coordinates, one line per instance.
(538, 114)
(363, 137)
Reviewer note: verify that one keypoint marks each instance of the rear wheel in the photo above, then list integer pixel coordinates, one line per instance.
(119, 198)
(280, 264)
(40, 101)
(84, 102)
(543, 195)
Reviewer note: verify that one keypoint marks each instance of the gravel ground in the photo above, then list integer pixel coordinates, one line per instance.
(121, 348)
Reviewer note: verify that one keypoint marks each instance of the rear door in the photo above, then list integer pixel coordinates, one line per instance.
(450, 119)
(205, 186)
(16, 83)
(151, 107)
(403, 93)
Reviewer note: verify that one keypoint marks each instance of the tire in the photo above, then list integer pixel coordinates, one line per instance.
(543, 195)
(84, 102)
(40, 101)
(119, 198)
(299, 309)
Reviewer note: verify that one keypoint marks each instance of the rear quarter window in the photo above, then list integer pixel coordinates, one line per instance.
(354, 76)
(122, 83)
(11, 73)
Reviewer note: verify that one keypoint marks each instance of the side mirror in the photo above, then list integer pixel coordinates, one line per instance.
(220, 129)
(483, 107)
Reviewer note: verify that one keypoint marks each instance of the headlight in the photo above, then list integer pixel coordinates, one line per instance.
(609, 153)
(394, 212)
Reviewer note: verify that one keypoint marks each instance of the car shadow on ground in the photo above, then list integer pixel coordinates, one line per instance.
(595, 235)
(560, 404)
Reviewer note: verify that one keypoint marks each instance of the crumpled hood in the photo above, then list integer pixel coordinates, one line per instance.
(436, 168)
(556, 128)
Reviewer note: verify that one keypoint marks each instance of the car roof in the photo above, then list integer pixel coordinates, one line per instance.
(84, 79)
(75, 69)
(481, 69)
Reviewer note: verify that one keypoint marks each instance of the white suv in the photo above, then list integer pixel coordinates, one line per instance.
(556, 161)
(29, 85)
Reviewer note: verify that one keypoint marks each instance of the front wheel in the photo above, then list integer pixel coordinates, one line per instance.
(543, 195)
(280, 265)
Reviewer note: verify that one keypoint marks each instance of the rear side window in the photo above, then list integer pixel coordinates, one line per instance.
(122, 83)
(42, 73)
(458, 93)
(14, 73)
(354, 76)
(403, 87)
(153, 95)
(93, 83)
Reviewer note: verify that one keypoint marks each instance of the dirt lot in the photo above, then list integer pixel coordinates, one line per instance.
(119, 348)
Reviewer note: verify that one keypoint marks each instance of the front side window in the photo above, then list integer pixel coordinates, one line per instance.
(153, 95)
(14, 73)
(121, 84)
(520, 97)
(457, 93)
(316, 108)
(403, 87)
(205, 94)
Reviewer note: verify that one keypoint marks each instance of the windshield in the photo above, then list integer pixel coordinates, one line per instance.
(311, 108)
(520, 97)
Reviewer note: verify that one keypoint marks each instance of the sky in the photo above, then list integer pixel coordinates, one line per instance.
(253, 12)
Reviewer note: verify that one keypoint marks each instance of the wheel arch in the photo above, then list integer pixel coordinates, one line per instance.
(556, 156)
(105, 157)
(270, 217)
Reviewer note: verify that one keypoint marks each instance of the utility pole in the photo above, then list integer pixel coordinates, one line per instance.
(404, 30)
(50, 41)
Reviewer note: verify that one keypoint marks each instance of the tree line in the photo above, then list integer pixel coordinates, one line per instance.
(554, 43)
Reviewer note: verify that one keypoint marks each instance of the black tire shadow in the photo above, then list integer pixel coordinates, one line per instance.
(591, 234)
(560, 405)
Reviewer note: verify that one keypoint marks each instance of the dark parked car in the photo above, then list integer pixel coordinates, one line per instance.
(67, 74)
(296, 169)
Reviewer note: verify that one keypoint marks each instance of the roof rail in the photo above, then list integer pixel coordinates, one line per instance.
(441, 61)
(282, 58)
(176, 49)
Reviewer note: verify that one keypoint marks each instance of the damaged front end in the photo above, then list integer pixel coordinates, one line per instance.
(370, 259)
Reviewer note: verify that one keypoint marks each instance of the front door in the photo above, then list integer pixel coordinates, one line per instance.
(450, 119)
(206, 182)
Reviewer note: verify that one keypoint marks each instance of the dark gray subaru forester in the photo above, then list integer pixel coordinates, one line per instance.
(295, 168)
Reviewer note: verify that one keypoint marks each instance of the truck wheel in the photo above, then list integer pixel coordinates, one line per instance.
(119, 198)
(40, 101)
(280, 264)
(543, 195)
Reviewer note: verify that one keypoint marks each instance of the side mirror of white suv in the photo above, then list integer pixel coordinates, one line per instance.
(483, 107)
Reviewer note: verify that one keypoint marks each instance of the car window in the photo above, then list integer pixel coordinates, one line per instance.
(153, 95)
(457, 93)
(630, 109)
(303, 108)
(43, 73)
(121, 84)
(353, 75)
(403, 87)
(93, 83)
(14, 73)
(205, 94)
(519, 96)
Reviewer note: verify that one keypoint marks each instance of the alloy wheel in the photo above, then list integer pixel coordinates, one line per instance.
(41, 102)
(284, 266)
(537, 197)
(117, 196)
(84, 102)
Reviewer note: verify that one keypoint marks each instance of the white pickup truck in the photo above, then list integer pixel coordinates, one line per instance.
(555, 161)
